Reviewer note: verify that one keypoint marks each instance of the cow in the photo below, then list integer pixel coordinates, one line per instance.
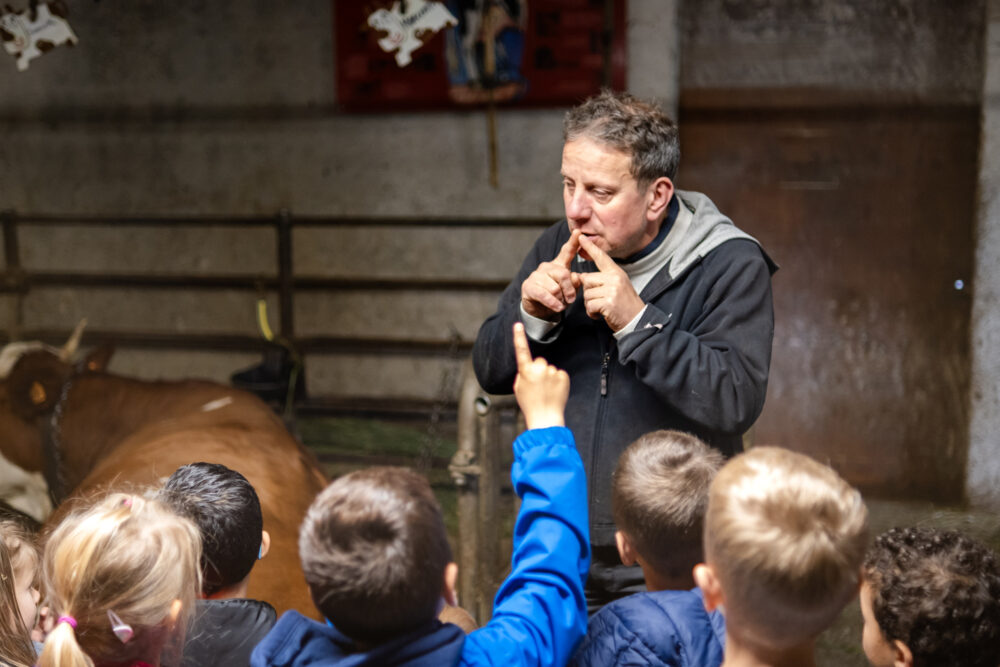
(89, 432)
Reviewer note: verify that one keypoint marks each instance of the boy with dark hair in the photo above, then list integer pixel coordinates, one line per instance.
(930, 598)
(659, 492)
(224, 506)
(376, 557)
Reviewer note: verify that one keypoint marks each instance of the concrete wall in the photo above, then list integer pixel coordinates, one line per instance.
(984, 433)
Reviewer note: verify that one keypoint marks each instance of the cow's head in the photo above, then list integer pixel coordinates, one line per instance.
(33, 377)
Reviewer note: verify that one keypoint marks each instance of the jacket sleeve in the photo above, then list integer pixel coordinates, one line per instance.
(493, 353)
(715, 372)
(540, 613)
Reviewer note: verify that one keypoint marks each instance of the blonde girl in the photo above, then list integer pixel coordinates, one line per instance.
(18, 594)
(121, 578)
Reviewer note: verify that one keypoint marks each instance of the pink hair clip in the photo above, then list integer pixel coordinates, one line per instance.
(121, 629)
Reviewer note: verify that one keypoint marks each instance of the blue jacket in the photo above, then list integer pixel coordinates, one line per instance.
(661, 629)
(539, 614)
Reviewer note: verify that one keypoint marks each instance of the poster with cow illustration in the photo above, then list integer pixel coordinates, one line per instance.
(422, 54)
(28, 34)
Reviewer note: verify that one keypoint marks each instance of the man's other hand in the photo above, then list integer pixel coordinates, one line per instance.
(608, 293)
(551, 287)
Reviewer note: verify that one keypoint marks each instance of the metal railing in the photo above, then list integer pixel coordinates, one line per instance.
(285, 282)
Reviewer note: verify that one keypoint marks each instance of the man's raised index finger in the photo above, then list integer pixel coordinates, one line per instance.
(602, 259)
(569, 249)
(521, 349)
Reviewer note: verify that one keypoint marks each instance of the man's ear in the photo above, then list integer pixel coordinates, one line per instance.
(265, 544)
(711, 590)
(658, 197)
(625, 550)
(902, 656)
(450, 580)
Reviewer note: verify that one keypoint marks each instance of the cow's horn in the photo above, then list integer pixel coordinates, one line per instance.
(69, 349)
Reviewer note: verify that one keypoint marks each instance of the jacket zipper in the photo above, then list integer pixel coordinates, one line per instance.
(604, 373)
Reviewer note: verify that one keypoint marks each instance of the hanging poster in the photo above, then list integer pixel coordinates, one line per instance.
(421, 54)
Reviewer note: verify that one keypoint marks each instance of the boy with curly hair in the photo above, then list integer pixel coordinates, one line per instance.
(931, 598)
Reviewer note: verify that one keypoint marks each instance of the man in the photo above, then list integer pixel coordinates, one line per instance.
(657, 306)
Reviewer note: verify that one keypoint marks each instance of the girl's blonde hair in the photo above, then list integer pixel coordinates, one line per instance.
(18, 558)
(127, 556)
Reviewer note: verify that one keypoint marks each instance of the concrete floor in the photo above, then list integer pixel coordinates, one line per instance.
(840, 646)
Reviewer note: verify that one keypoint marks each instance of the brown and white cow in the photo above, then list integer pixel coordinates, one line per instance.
(90, 431)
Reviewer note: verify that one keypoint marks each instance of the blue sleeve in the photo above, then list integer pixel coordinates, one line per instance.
(540, 613)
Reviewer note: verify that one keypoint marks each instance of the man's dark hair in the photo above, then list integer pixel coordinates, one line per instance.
(635, 127)
(659, 494)
(374, 551)
(226, 510)
(938, 592)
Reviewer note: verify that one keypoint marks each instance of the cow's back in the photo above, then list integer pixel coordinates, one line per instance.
(200, 421)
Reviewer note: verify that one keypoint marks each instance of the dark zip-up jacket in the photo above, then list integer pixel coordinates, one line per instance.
(225, 632)
(697, 361)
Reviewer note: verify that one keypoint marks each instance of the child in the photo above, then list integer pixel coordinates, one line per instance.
(377, 560)
(784, 540)
(225, 507)
(18, 595)
(659, 492)
(121, 577)
(931, 598)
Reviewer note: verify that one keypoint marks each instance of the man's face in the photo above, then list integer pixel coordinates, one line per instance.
(877, 648)
(602, 199)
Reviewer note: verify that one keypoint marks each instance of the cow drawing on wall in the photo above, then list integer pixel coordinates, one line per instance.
(90, 432)
(408, 25)
(40, 28)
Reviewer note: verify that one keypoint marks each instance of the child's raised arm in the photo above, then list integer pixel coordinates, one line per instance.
(540, 612)
(541, 389)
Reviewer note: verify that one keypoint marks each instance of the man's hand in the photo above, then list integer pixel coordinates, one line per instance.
(551, 288)
(541, 389)
(608, 293)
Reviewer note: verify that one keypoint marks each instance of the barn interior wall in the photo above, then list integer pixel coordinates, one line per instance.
(984, 446)
(193, 108)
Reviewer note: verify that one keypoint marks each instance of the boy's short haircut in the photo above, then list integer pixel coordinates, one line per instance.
(226, 509)
(938, 592)
(786, 537)
(659, 492)
(374, 550)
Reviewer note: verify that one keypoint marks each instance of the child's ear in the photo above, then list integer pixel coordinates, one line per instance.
(450, 580)
(265, 544)
(625, 550)
(902, 657)
(711, 591)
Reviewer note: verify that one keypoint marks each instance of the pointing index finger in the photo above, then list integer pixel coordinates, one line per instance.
(521, 349)
(601, 259)
(569, 249)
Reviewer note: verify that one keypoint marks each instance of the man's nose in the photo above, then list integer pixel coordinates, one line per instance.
(577, 206)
